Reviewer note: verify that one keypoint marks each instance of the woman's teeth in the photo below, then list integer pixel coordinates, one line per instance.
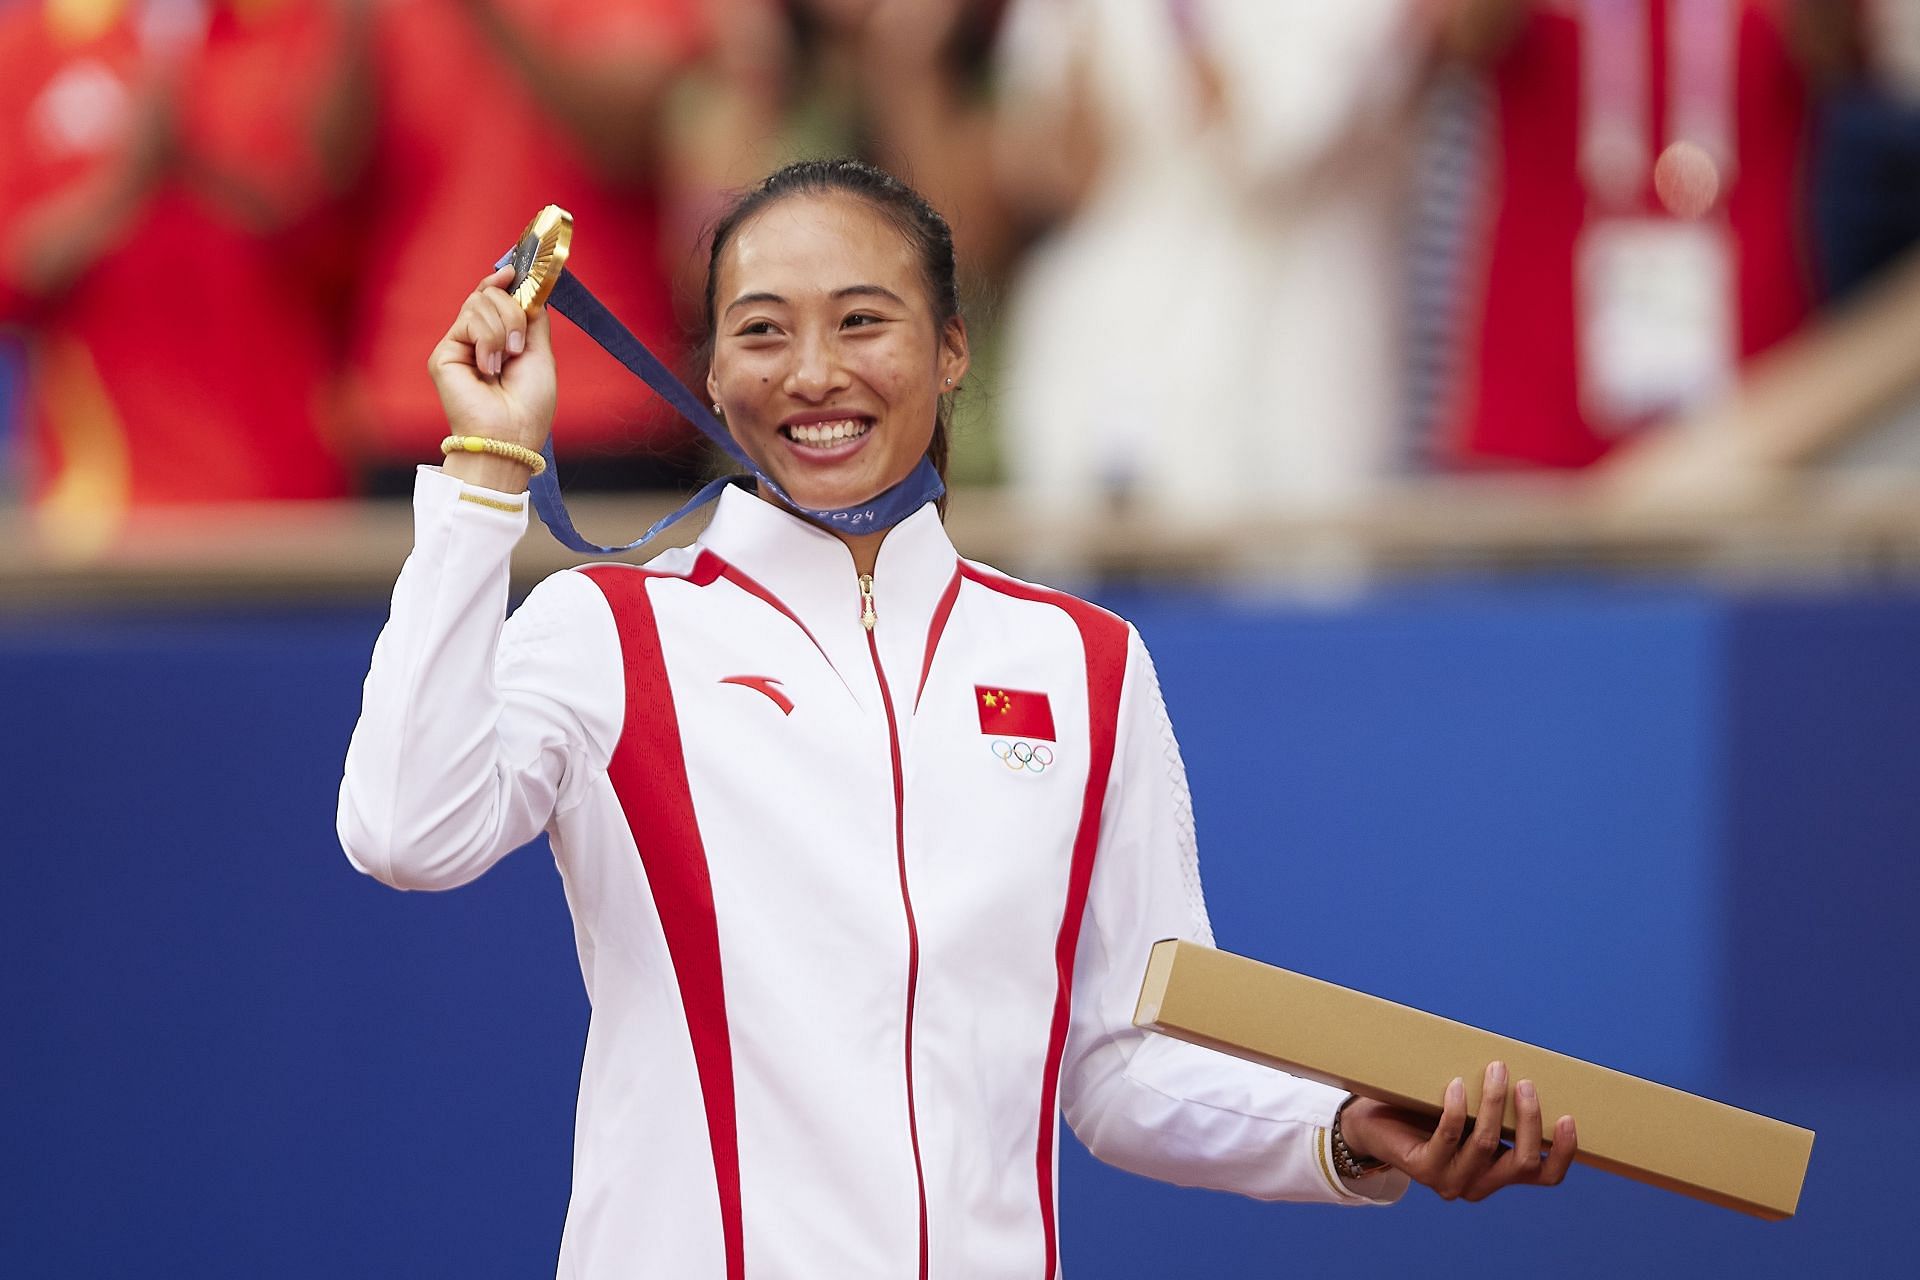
(822, 433)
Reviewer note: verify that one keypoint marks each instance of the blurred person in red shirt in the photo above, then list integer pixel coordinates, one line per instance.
(1591, 309)
(482, 111)
(158, 186)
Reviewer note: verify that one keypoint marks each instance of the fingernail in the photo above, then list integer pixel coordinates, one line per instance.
(1457, 1091)
(516, 342)
(499, 362)
(1526, 1091)
(1497, 1072)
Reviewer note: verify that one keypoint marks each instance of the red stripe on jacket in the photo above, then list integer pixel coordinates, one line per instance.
(649, 774)
(1104, 638)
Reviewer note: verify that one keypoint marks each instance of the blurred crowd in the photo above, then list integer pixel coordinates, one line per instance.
(1221, 252)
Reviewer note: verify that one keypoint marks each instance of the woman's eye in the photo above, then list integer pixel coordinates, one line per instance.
(860, 319)
(756, 328)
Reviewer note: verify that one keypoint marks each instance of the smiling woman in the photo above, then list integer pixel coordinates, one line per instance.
(835, 333)
(824, 923)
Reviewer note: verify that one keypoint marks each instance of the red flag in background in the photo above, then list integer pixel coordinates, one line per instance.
(1014, 713)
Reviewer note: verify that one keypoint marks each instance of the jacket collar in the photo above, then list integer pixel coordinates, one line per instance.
(812, 573)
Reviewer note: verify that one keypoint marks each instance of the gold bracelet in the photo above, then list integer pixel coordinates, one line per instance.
(519, 453)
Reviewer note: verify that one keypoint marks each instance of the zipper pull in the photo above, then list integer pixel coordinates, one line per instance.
(866, 601)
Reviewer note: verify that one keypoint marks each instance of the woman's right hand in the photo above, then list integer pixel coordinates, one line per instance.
(495, 375)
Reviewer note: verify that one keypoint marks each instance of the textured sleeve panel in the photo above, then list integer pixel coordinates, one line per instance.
(1179, 801)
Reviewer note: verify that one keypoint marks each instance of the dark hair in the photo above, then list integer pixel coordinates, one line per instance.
(918, 222)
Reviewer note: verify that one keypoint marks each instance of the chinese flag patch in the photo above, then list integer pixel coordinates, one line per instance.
(1014, 713)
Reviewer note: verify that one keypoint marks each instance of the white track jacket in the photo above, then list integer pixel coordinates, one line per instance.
(861, 909)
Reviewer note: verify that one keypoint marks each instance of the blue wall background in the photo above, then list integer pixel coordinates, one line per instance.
(1665, 828)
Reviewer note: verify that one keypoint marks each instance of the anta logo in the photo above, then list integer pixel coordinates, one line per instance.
(763, 684)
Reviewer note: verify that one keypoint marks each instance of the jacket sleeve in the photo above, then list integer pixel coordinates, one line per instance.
(1145, 1102)
(475, 728)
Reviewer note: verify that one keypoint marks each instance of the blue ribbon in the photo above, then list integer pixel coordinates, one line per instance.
(571, 299)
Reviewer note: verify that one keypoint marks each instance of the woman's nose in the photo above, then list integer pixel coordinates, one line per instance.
(816, 372)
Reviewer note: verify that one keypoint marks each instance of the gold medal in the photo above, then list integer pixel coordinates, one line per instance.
(540, 256)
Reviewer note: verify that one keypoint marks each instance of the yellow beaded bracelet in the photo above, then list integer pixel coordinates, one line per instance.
(519, 453)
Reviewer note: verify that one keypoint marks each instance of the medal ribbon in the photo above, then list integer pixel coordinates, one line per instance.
(1616, 152)
(571, 299)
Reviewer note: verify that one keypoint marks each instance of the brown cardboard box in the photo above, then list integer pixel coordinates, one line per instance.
(1370, 1046)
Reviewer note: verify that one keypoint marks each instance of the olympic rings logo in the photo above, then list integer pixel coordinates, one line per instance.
(1022, 756)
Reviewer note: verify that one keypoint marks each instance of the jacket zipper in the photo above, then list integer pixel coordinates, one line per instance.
(867, 620)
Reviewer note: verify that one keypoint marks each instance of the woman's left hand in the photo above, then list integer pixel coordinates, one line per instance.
(1455, 1163)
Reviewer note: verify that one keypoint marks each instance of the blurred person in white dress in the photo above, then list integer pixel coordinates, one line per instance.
(1210, 327)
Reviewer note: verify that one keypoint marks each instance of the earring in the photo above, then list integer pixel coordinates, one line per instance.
(718, 412)
(949, 381)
